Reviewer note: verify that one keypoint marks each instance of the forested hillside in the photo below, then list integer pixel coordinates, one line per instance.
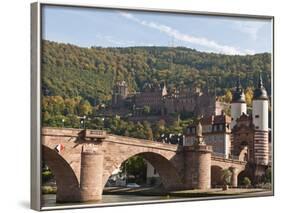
(70, 71)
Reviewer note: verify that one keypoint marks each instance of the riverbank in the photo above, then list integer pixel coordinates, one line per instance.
(158, 191)
(142, 191)
(219, 192)
(119, 195)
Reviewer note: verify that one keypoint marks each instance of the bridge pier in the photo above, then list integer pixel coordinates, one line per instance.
(234, 177)
(197, 174)
(91, 180)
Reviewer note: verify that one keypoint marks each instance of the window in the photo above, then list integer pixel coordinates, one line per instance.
(257, 116)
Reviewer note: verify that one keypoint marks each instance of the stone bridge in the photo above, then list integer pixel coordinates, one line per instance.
(83, 160)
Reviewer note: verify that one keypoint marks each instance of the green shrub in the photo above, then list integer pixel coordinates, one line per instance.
(49, 190)
(226, 176)
(46, 176)
(247, 182)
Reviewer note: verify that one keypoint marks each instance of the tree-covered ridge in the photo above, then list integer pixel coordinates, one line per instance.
(69, 112)
(71, 71)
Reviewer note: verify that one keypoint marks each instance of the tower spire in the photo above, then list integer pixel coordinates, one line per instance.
(260, 91)
(238, 84)
(238, 103)
(260, 83)
(238, 93)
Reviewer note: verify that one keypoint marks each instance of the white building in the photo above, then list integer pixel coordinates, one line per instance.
(260, 121)
(216, 132)
(152, 176)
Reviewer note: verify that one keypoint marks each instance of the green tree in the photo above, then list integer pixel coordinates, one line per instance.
(247, 182)
(70, 71)
(135, 166)
(72, 121)
(146, 110)
(226, 177)
(268, 174)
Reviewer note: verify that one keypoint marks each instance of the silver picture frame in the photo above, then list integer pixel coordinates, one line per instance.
(36, 93)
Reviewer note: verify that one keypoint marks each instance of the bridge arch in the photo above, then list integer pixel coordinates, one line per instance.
(242, 174)
(216, 172)
(168, 173)
(66, 180)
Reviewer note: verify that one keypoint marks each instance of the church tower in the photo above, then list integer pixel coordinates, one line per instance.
(238, 104)
(260, 121)
(119, 93)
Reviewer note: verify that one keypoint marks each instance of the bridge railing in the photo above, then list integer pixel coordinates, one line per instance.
(221, 155)
(97, 134)
(234, 157)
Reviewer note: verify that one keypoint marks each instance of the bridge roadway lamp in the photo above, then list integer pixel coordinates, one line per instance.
(83, 122)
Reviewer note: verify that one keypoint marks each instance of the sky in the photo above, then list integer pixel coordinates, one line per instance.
(88, 27)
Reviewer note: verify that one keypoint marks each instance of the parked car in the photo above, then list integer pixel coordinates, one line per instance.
(133, 185)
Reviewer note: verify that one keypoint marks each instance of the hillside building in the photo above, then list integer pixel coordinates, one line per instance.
(216, 131)
(161, 101)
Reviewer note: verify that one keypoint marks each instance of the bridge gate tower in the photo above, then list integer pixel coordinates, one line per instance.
(197, 163)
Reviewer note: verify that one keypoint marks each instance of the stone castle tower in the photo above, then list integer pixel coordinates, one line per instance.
(119, 93)
(260, 121)
(197, 158)
(250, 133)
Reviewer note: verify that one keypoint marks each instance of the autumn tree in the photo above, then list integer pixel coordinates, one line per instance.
(147, 130)
(84, 107)
(228, 96)
(249, 94)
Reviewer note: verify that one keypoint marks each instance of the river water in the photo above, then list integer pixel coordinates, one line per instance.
(49, 200)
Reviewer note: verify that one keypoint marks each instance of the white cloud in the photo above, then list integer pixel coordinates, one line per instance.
(111, 40)
(174, 33)
(250, 28)
(120, 42)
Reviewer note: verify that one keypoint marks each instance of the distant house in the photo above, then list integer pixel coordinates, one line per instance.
(216, 132)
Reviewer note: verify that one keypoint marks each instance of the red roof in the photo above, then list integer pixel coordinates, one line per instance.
(215, 119)
(244, 117)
